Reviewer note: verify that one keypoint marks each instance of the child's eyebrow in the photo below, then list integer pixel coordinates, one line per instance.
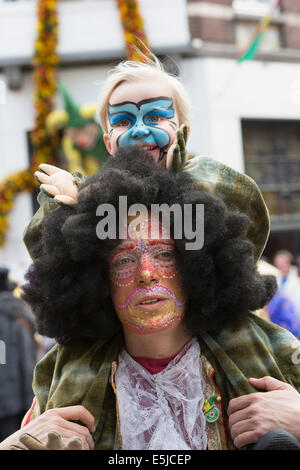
(140, 103)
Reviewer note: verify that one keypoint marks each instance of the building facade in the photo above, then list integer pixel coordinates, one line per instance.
(253, 107)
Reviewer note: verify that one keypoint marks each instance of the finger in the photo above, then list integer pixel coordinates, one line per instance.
(69, 201)
(50, 189)
(175, 159)
(243, 426)
(31, 442)
(239, 403)
(185, 132)
(41, 177)
(54, 441)
(14, 447)
(245, 439)
(180, 139)
(182, 150)
(176, 164)
(68, 433)
(170, 154)
(77, 413)
(86, 440)
(238, 416)
(269, 384)
(75, 443)
(81, 432)
(68, 429)
(49, 169)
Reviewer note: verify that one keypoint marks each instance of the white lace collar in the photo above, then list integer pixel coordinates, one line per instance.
(162, 411)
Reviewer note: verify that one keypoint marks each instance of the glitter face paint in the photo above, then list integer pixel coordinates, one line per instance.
(145, 284)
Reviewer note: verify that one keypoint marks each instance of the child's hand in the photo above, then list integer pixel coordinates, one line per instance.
(54, 442)
(177, 154)
(59, 183)
(55, 428)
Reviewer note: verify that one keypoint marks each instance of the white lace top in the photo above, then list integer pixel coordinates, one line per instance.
(162, 411)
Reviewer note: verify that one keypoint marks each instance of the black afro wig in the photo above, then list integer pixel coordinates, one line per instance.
(68, 286)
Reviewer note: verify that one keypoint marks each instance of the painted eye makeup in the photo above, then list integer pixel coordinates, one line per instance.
(123, 123)
(121, 119)
(157, 115)
(154, 119)
(123, 268)
(122, 260)
(165, 256)
(162, 254)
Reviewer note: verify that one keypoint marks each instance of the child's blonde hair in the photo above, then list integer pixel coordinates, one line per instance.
(130, 71)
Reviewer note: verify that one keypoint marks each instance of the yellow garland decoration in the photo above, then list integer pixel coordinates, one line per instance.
(133, 29)
(45, 62)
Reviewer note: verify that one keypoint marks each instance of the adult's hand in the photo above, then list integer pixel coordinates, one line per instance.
(252, 416)
(60, 420)
(58, 183)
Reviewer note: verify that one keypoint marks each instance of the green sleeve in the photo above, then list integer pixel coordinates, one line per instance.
(32, 232)
(239, 192)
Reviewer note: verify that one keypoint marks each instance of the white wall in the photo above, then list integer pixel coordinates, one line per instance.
(91, 28)
(224, 92)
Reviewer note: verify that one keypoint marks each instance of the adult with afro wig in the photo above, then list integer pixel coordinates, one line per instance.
(157, 345)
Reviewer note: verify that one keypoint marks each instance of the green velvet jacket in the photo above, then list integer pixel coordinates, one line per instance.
(80, 373)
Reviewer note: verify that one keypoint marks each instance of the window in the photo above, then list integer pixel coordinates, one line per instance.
(272, 159)
(271, 40)
(248, 14)
(253, 7)
(269, 2)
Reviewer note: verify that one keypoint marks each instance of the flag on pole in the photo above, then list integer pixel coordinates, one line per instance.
(257, 36)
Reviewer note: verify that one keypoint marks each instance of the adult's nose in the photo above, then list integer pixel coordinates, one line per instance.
(147, 271)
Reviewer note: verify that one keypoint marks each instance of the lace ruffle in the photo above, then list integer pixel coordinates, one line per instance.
(162, 411)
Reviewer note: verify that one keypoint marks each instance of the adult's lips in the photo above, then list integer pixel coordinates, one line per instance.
(150, 300)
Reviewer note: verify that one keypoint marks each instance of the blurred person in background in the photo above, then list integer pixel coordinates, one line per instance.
(296, 296)
(287, 278)
(282, 311)
(16, 373)
(284, 308)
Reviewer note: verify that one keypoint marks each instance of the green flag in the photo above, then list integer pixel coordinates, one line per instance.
(253, 49)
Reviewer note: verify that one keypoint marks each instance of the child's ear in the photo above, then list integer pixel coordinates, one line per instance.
(107, 143)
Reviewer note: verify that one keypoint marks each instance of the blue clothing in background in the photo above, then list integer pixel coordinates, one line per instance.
(282, 311)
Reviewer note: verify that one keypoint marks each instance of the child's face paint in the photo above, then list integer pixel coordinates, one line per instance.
(145, 284)
(142, 113)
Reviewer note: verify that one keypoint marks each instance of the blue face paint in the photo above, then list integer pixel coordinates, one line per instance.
(138, 120)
